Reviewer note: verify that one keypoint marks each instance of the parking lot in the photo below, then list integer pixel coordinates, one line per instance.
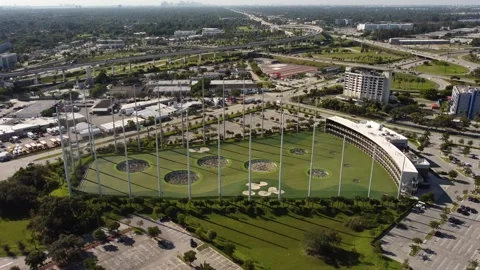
(452, 249)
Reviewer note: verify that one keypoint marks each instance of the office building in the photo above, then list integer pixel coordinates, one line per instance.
(465, 101)
(211, 31)
(184, 33)
(5, 46)
(387, 146)
(367, 84)
(383, 26)
(8, 61)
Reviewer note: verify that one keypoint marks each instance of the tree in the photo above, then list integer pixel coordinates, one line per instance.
(320, 242)
(91, 264)
(430, 94)
(153, 231)
(453, 174)
(206, 266)
(405, 265)
(112, 226)
(190, 256)
(428, 197)
(470, 142)
(15, 268)
(140, 223)
(466, 150)
(445, 137)
(417, 240)
(229, 249)
(434, 224)
(67, 249)
(248, 265)
(35, 259)
(461, 141)
(99, 235)
(211, 234)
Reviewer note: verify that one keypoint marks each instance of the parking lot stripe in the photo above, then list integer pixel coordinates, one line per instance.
(440, 265)
(469, 227)
(456, 267)
(471, 246)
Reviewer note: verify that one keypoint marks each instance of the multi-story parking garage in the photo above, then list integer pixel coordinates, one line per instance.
(385, 144)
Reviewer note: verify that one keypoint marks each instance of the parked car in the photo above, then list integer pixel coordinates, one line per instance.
(164, 219)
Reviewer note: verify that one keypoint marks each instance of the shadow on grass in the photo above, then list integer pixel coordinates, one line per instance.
(340, 258)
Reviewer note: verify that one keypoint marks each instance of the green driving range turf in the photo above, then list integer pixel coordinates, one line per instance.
(327, 158)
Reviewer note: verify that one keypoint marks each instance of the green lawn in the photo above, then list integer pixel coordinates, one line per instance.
(353, 54)
(244, 28)
(356, 173)
(13, 231)
(441, 68)
(411, 82)
(275, 242)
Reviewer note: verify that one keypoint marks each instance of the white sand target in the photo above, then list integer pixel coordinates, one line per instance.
(264, 193)
(274, 190)
(255, 186)
(199, 150)
(246, 193)
(262, 184)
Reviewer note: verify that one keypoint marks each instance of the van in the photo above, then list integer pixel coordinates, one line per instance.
(32, 136)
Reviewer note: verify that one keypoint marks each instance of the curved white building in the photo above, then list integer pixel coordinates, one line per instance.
(372, 137)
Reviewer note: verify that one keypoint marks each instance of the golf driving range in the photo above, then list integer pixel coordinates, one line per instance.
(234, 162)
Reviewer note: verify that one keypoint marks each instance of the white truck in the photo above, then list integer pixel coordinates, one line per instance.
(32, 136)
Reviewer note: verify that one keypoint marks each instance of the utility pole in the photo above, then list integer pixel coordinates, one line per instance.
(65, 166)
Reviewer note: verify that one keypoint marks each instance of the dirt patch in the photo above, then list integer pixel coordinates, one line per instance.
(211, 162)
(262, 165)
(298, 151)
(319, 173)
(134, 165)
(180, 177)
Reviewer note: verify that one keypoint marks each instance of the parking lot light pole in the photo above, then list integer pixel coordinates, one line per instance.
(158, 159)
(65, 166)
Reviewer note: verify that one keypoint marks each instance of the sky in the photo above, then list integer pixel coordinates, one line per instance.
(234, 2)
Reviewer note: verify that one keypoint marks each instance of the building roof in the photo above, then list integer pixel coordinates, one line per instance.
(168, 82)
(382, 137)
(466, 88)
(286, 70)
(118, 124)
(35, 109)
(145, 103)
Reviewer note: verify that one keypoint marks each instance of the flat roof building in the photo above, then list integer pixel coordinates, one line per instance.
(8, 61)
(403, 41)
(383, 26)
(367, 84)
(465, 101)
(282, 71)
(110, 43)
(212, 31)
(372, 137)
(184, 33)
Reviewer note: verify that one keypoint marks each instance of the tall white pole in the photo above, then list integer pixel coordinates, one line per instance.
(88, 121)
(181, 112)
(65, 166)
(158, 158)
(263, 107)
(219, 163)
(113, 123)
(69, 139)
(250, 163)
(126, 161)
(401, 176)
(188, 165)
(244, 101)
(311, 156)
(93, 150)
(371, 172)
(281, 160)
(223, 103)
(160, 120)
(75, 129)
(298, 113)
(203, 110)
(136, 116)
(341, 167)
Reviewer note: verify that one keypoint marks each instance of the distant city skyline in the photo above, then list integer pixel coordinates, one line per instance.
(51, 3)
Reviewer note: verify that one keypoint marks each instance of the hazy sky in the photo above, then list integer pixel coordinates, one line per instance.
(236, 2)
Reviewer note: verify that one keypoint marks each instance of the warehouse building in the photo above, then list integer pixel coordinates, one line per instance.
(284, 71)
(383, 26)
(110, 44)
(402, 41)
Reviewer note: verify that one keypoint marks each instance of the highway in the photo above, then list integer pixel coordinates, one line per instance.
(161, 55)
